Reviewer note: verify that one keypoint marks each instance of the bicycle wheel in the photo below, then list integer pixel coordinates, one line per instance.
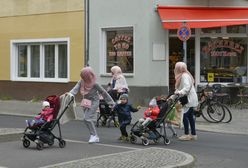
(228, 115)
(216, 112)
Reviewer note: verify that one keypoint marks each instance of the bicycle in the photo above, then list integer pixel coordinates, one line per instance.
(211, 110)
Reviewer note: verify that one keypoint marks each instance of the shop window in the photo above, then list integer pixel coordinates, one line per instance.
(211, 30)
(119, 49)
(40, 61)
(236, 29)
(223, 60)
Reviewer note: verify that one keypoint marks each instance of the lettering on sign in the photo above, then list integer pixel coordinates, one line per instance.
(121, 44)
(225, 48)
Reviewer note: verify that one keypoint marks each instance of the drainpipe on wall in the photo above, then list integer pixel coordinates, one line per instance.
(86, 32)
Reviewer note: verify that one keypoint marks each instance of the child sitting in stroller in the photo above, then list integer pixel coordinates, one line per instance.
(46, 115)
(150, 114)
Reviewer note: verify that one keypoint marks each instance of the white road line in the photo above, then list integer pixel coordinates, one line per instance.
(115, 146)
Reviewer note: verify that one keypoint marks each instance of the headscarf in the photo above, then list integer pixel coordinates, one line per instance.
(88, 78)
(117, 72)
(181, 68)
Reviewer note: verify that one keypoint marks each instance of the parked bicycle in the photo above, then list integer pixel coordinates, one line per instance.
(210, 108)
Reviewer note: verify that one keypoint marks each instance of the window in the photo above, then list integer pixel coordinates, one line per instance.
(223, 58)
(119, 49)
(40, 61)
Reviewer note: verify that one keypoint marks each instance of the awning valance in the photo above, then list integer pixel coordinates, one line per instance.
(202, 17)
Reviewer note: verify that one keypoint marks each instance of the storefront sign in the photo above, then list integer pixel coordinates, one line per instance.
(223, 48)
(121, 44)
(184, 33)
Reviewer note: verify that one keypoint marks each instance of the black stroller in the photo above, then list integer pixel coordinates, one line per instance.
(42, 133)
(150, 132)
(106, 115)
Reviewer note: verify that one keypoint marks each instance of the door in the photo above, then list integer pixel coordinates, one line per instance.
(176, 54)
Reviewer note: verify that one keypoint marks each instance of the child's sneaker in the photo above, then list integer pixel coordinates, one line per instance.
(121, 138)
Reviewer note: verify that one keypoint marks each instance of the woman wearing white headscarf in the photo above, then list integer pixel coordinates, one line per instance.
(118, 83)
(185, 86)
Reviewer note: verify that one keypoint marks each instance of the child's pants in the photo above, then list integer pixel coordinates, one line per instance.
(123, 127)
(145, 122)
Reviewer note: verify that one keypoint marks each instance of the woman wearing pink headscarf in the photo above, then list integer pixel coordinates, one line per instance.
(90, 91)
(185, 86)
(118, 84)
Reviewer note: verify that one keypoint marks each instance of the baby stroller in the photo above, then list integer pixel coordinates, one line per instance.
(106, 115)
(150, 132)
(42, 133)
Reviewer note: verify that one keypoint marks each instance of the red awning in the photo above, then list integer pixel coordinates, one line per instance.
(202, 17)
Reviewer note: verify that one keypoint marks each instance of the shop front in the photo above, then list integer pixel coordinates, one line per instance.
(216, 51)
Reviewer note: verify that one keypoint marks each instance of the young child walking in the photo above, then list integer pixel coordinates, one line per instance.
(123, 110)
(46, 115)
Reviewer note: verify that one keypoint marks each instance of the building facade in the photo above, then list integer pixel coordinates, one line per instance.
(134, 35)
(41, 47)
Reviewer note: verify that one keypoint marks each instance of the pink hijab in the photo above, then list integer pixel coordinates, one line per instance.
(117, 72)
(181, 68)
(89, 80)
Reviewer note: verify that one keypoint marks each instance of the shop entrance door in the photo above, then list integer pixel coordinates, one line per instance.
(176, 54)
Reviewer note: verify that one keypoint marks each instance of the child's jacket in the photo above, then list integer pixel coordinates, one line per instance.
(152, 112)
(124, 112)
(46, 114)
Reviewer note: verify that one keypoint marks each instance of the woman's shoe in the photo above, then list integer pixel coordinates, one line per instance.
(194, 137)
(185, 138)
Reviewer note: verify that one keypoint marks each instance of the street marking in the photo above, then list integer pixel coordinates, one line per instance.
(101, 144)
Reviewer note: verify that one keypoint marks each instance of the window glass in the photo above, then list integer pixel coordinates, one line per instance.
(211, 30)
(236, 29)
(35, 61)
(223, 59)
(49, 61)
(22, 61)
(62, 61)
(120, 50)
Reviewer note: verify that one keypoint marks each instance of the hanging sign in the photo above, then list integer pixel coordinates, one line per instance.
(183, 32)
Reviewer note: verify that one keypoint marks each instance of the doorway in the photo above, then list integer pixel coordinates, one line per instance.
(176, 54)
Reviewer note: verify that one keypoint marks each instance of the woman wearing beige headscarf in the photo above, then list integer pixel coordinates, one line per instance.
(185, 86)
(118, 83)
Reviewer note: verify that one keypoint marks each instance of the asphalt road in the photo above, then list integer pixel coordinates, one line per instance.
(211, 150)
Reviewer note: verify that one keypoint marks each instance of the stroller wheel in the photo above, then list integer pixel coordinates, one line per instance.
(145, 142)
(166, 141)
(133, 139)
(26, 143)
(62, 143)
(39, 145)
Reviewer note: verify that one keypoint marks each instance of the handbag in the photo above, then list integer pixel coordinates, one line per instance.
(184, 99)
(86, 103)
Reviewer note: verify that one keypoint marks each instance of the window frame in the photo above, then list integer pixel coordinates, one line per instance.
(103, 48)
(41, 42)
